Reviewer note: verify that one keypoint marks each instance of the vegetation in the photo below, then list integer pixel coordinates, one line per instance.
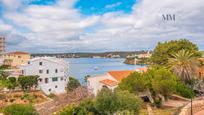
(181, 58)
(164, 82)
(134, 83)
(106, 103)
(2, 84)
(69, 110)
(3, 73)
(163, 51)
(12, 83)
(158, 80)
(173, 66)
(28, 97)
(72, 84)
(184, 64)
(183, 90)
(9, 83)
(128, 102)
(86, 78)
(27, 82)
(19, 109)
(52, 95)
(86, 107)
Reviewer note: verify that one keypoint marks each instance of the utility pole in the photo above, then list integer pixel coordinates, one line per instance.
(191, 98)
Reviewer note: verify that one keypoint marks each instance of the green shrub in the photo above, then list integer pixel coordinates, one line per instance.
(72, 84)
(28, 97)
(158, 102)
(68, 110)
(19, 109)
(183, 90)
(2, 96)
(11, 83)
(26, 82)
(134, 83)
(52, 95)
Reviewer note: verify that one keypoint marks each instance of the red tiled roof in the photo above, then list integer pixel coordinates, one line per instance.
(119, 75)
(109, 82)
(18, 52)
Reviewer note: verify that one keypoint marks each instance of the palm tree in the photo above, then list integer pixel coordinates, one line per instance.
(184, 64)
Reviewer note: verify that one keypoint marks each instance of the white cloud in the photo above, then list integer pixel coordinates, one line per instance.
(11, 4)
(113, 5)
(50, 24)
(5, 27)
(61, 27)
(144, 27)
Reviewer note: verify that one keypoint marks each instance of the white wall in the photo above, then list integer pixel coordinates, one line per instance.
(52, 86)
(94, 84)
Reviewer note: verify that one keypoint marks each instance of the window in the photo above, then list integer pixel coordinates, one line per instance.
(46, 80)
(40, 71)
(40, 79)
(61, 78)
(23, 72)
(54, 79)
(47, 71)
(28, 62)
(40, 63)
(56, 71)
(55, 86)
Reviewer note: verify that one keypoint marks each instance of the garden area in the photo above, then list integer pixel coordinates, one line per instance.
(19, 93)
(20, 97)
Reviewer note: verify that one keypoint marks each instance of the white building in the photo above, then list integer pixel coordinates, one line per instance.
(145, 55)
(111, 79)
(53, 73)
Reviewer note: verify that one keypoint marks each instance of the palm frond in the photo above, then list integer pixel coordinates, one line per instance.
(183, 64)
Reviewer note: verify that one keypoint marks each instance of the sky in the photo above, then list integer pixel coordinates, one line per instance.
(57, 26)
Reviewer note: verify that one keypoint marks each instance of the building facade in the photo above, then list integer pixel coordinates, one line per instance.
(2, 44)
(16, 58)
(52, 72)
(145, 55)
(2, 49)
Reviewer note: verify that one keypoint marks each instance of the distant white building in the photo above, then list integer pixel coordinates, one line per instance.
(53, 73)
(145, 55)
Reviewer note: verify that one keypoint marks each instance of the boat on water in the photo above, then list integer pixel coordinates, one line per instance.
(96, 68)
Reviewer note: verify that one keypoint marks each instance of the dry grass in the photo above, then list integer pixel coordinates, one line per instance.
(164, 111)
(143, 112)
(21, 98)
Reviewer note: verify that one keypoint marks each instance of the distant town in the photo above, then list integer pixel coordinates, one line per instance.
(115, 54)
